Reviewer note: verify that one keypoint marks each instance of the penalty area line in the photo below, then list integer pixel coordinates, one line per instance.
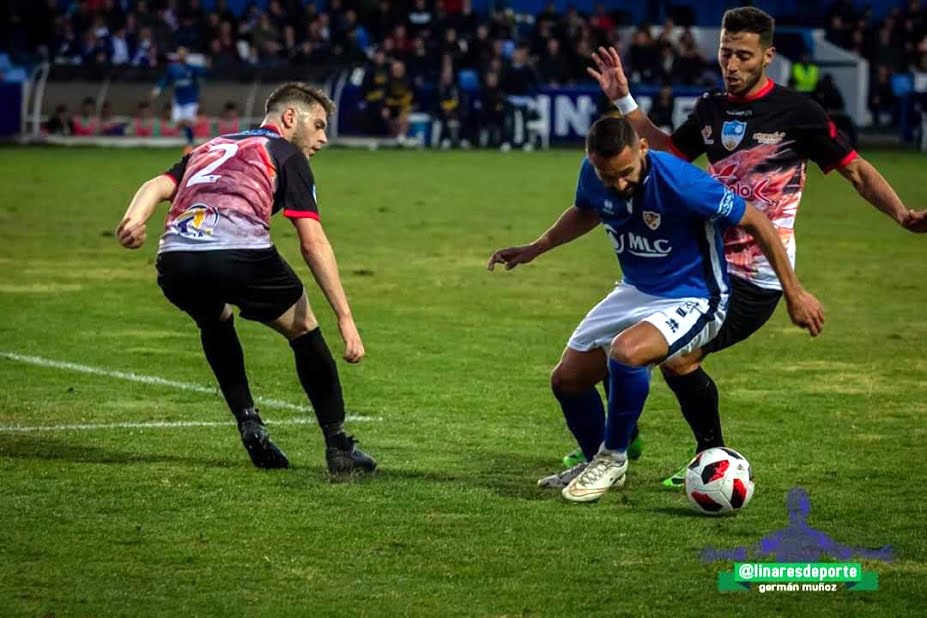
(154, 381)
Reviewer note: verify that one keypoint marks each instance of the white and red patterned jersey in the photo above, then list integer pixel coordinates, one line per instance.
(228, 188)
(758, 147)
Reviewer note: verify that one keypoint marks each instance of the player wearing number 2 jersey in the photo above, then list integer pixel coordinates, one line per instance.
(216, 252)
(758, 137)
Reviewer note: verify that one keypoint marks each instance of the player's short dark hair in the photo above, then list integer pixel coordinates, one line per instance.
(609, 136)
(298, 92)
(750, 19)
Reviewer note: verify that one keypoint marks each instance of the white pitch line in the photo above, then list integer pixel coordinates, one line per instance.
(157, 425)
(143, 379)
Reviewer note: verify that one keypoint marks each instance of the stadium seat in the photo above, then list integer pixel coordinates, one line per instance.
(468, 80)
(902, 84)
(15, 74)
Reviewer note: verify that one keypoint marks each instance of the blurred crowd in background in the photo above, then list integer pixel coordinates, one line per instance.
(439, 47)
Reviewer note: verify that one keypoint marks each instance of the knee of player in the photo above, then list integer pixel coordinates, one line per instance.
(629, 353)
(562, 382)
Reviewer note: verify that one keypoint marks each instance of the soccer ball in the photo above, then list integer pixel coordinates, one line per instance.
(719, 481)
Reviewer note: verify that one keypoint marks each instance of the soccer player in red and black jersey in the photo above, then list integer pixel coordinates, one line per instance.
(216, 252)
(758, 137)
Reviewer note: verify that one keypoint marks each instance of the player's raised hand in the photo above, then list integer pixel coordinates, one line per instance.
(513, 256)
(353, 346)
(610, 74)
(915, 221)
(131, 234)
(806, 311)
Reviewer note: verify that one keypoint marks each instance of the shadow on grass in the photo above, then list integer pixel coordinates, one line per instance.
(43, 448)
(677, 511)
(507, 474)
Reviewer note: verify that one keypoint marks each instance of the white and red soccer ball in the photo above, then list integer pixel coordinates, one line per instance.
(719, 481)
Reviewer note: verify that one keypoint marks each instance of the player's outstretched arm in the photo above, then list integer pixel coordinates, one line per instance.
(614, 84)
(320, 257)
(804, 309)
(131, 230)
(873, 188)
(573, 223)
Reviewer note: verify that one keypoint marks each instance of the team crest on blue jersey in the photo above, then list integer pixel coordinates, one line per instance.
(652, 219)
(732, 133)
(608, 207)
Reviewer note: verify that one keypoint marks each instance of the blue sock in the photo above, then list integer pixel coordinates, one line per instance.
(188, 133)
(627, 391)
(585, 416)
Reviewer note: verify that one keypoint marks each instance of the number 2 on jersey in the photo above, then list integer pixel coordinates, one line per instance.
(206, 175)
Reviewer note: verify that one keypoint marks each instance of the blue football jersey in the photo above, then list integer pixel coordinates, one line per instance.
(667, 236)
(186, 81)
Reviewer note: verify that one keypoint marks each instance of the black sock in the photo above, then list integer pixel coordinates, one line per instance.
(698, 398)
(319, 376)
(224, 354)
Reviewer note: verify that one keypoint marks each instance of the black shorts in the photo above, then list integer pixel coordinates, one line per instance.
(257, 281)
(749, 307)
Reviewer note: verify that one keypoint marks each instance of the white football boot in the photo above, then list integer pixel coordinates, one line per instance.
(607, 469)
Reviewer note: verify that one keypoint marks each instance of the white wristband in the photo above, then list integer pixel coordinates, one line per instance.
(625, 104)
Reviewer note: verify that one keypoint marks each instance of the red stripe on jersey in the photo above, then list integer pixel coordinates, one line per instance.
(832, 128)
(300, 214)
(759, 94)
(678, 152)
(851, 156)
(268, 162)
(271, 127)
(171, 176)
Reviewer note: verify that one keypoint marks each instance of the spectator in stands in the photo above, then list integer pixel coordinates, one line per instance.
(602, 21)
(448, 109)
(146, 53)
(490, 107)
(399, 100)
(59, 123)
(661, 111)
(373, 92)
(419, 18)
(689, 64)
(109, 124)
(120, 47)
(806, 74)
(86, 123)
(143, 122)
(553, 65)
(229, 122)
(828, 96)
(643, 56)
(422, 66)
(882, 101)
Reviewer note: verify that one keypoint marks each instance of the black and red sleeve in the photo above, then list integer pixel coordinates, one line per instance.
(686, 141)
(177, 170)
(818, 139)
(297, 190)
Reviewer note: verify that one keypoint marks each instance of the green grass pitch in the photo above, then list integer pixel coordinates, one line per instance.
(174, 521)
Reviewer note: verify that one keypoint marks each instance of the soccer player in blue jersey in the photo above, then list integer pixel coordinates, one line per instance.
(185, 78)
(664, 218)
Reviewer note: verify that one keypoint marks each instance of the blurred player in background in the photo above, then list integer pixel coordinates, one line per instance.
(216, 251)
(185, 79)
